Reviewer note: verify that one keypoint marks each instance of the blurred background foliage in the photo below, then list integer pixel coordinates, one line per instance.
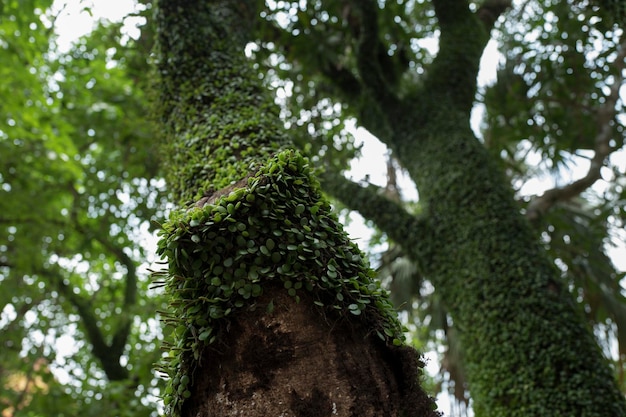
(80, 179)
(79, 175)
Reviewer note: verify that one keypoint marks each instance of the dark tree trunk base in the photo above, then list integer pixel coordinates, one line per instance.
(297, 363)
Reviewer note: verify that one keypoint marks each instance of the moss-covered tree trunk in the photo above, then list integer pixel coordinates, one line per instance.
(527, 349)
(274, 312)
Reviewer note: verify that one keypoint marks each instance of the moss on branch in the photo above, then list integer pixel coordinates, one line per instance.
(527, 350)
(407, 229)
(452, 76)
(259, 220)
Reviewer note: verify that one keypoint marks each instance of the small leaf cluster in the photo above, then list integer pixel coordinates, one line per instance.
(277, 229)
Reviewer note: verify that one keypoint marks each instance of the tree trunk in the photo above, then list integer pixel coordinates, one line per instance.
(274, 311)
(296, 362)
(526, 347)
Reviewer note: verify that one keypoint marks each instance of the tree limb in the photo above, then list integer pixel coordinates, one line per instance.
(343, 80)
(367, 53)
(336, 76)
(101, 349)
(371, 202)
(450, 12)
(452, 75)
(606, 113)
(122, 332)
(491, 10)
(130, 292)
(107, 353)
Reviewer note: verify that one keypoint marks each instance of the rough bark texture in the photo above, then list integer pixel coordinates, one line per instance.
(274, 311)
(294, 362)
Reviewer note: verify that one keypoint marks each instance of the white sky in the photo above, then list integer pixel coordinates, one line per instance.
(74, 20)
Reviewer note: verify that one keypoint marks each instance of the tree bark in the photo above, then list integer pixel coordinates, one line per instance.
(273, 309)
(526, 347)
(290, 363)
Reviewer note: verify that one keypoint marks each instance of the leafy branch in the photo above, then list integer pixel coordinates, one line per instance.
(107, 353)
(605, 114)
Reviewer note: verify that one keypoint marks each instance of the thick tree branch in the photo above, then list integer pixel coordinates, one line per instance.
(371, 202)
(109, 359)
(108, 353)
(130, 291)
(336, 77)
(450, 12)
(367, 54)
(343, 80)
(452, 75)
(118, 342)
(366, 88)
(377, 97)
(606, 113)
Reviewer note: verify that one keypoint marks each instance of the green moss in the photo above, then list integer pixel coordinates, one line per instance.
(275, 228)
(272, 227)
(221, 124)
(526, 347)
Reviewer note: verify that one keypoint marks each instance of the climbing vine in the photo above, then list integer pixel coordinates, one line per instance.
(273, 227)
